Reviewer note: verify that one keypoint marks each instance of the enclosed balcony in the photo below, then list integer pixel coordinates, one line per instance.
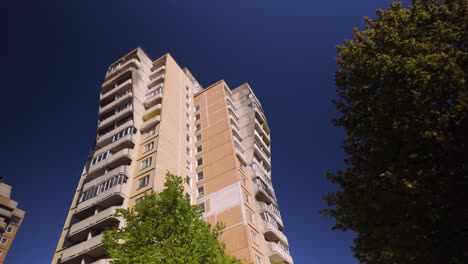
(152, 112)
(153, 97)
(118, 143)
(279, 253)
(110, 162)
(98, 222)
(273, 211)
(92, 248)
(121, 170)
(109, 136)
(263, 192)
(113, 196)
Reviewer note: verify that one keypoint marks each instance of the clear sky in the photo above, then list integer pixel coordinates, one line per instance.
(56, 54)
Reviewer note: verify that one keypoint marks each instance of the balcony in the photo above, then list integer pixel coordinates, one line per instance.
(153, 97)
(260, 128)
(126, 96)
(107, 138)
(114, 160)
(279, 253)
(272, 233)
(113, 91)
(5, 213)
(122, 67)
(150, 123)
(111, 197)
(261, 141)
(150, 113)
(263, 192)
(271, 210)
(127, 141)
(99, 221)
(119, 170)
(124, 112)
(92, 247)
(265, 160)
(156, 79)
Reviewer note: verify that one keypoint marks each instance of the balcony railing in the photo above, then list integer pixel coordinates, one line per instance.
(125, 95)
(272, 233)
(121, 111)
(263, 192)
(117, 89)
(108, 198)
(97, 219)
(279, 253)
(93, 244)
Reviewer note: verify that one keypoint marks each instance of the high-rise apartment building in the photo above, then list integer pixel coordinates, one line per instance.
(155, 117)
(10, 219)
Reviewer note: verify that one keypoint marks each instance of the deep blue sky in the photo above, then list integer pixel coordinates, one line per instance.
(57, 52)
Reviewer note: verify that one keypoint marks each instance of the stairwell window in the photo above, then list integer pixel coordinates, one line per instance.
(199, 149)
(200, 176)
(198, 137)
(9, 229)
(197, 127)
(199, 161)
(197, 117)
(202, 207)
(201, 190)
(146, 163)
(143, 182)
(148, 147)
(3, 241)
(254, 237)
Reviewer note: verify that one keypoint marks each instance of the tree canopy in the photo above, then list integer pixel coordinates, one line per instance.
(403, 102)
(164, 228)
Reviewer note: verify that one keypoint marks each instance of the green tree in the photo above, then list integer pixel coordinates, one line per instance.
(403, 102)
(165, 228)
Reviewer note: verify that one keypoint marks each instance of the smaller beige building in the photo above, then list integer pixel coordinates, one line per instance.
(10, 219)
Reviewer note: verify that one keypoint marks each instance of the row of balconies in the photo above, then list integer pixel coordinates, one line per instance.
(92, 247)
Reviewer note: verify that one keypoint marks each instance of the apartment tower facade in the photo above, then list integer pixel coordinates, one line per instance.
(11, 218)
(155, 117)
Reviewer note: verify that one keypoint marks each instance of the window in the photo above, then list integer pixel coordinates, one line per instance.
(202, 207)
(199, 149)
(9, 229)
(200, 176)
(187, 88)
(244, 182)
(188, 165)
(188, 151)
(187, 138)
(101, 156)
(247, 198)
(143, 182)
(187, 126)
(254, 237)
(198, 137)
(197, 117)
(197, 127)
(146, 163)
(187, 115)
(197, 107)
(188, 180)
(201, 190)
(199, 161)
(148, 147)
(3, 241)
(187, 96)
(250, 216)
(258, 260)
